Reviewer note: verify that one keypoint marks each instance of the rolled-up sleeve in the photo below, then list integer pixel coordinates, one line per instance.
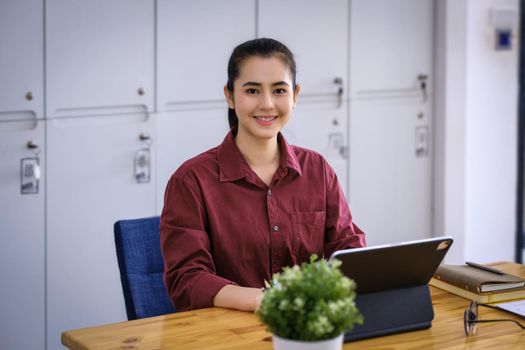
(340, 231)
(189, 271)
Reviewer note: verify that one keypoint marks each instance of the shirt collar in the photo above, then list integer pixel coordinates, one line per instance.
(233, 166)
(288, 156)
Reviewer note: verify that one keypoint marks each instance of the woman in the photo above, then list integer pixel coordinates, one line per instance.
(238, 213)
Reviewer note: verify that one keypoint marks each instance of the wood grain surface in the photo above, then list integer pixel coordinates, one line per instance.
(217, 328)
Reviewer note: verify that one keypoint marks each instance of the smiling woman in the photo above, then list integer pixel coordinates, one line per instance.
(242, 211)
(262, 99)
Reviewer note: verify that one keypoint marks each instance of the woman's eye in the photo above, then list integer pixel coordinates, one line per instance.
(280, 91)
(251, 91)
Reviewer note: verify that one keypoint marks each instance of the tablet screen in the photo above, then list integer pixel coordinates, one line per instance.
(392, 266)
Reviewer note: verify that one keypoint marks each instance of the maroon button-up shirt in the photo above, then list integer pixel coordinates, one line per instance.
(222, 225)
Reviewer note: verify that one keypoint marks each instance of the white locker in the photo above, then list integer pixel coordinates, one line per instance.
(194, 42)
(92, 183)
(22, 221)
(183, 134)
(22, 196)
(390, 122)
(322, 126)
(390, 172)
(391, 46)
(99, 57)
(21, 58)
(316, 31)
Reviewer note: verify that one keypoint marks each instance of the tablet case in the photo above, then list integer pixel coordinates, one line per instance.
(392, 285)
(393, 311)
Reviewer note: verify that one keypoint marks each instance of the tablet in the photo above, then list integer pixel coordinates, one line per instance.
(392, 266)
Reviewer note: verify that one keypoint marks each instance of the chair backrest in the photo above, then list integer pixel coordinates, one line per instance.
(141, 267)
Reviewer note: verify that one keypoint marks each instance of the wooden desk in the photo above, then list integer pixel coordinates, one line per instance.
(217, 328)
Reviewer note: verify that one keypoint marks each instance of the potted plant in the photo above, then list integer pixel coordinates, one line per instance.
(309, 307)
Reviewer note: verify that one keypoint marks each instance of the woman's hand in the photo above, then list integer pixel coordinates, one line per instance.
(240, 298)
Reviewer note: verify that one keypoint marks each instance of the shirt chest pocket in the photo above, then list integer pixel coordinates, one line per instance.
(308, 234)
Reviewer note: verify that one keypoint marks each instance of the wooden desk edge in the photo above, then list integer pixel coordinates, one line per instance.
(76, 339)
(69, 343)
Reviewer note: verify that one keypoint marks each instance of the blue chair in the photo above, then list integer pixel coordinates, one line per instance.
(141, 267)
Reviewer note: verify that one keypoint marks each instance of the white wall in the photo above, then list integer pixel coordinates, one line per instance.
(476, 132)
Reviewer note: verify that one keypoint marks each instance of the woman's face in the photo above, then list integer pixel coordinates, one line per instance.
(263, 97)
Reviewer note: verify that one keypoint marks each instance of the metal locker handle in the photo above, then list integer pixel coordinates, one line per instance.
(31, 145)
(338, 81)
(146, 138)
(422, 78)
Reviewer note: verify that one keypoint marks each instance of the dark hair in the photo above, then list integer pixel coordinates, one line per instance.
(262, 47)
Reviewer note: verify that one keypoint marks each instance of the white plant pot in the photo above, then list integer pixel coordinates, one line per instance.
(290, 344)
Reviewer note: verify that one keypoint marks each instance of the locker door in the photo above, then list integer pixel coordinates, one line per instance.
(21, 58)
(391, 48)
(22, 223)
(390, 169)
(195, 40)
(322, 126)
(99, 57)
(22, 264)
(91, 184)
(316, 32)
(390, 118)
(184, 134)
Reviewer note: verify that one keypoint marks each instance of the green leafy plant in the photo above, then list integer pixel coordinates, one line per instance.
(312, 302)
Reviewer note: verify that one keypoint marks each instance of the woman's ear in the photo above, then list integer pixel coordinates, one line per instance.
(229, 97)
(296, 93)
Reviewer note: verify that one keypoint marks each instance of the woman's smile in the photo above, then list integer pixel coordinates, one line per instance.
(265, 120)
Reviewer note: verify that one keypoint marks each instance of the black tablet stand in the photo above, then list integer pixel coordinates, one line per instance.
(393, 311)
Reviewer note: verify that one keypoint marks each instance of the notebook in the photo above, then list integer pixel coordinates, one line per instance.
(392, 284)
(477, 280)
(477, 284)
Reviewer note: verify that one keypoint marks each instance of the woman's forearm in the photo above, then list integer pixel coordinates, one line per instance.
(240, 298)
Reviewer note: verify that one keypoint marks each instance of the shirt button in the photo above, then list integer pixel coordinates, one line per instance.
(269, 192)
(276, 228)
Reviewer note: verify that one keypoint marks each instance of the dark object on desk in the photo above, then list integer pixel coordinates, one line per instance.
(484, 268)
(470, 318)
(392, 290)
(479, 285)
(141, 268)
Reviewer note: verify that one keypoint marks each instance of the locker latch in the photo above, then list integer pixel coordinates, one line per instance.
(30, 171)
(143, 160)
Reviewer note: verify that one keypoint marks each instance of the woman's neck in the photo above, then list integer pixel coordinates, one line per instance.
(258, 152)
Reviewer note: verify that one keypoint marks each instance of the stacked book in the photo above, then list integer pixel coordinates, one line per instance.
(479, 283)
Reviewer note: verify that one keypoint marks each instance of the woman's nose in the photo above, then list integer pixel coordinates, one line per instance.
(266, 100)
